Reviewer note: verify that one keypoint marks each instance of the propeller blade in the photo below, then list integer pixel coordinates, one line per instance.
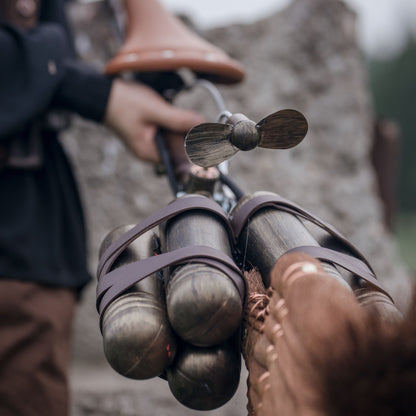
(209, 144)
(282, 130)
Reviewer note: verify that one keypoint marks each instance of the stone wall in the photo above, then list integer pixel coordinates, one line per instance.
(305, 57)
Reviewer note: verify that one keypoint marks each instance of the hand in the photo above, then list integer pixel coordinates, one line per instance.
(135, 111)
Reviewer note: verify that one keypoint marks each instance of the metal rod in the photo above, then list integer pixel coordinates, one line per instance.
(164, 155)
(213, 90)
(238, 192)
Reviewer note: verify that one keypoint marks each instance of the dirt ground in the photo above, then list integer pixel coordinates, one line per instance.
(100, 391)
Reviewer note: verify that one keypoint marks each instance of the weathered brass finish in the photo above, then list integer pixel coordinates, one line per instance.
(209, 144)
(202, 180)
(282, 130)
(137, 338)
(203, 304)
(138, 342)
(245, 134)
(205, 378)
(269, 234)
(378, 304)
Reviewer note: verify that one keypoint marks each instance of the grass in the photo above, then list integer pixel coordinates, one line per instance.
(406, 236)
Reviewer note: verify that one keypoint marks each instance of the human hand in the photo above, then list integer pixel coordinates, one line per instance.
(135, 111)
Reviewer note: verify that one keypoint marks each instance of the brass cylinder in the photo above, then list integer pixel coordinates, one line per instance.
(379, 304)
(268, 234)
(205, 378)
(202, 180)
(204, 306)
(137, 338)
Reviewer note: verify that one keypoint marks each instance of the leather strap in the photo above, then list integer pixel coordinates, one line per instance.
(113, 284)
(173, 209)
(356, 263)
(352, 264)
(249, 208)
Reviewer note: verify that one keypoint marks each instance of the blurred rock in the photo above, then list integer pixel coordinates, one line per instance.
(305, 57)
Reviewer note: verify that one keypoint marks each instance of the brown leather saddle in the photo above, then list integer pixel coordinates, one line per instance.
(158, 41)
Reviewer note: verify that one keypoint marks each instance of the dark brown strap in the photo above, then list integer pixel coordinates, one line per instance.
(356, 263)
(194, 202)
(113, 284)
(250, 207)
(352, 264)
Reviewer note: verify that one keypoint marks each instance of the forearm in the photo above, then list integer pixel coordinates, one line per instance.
(83, 90)
(30, 73)
(40, 73)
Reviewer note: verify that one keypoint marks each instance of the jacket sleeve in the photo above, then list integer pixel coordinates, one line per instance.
(83, 90)
(38, 73)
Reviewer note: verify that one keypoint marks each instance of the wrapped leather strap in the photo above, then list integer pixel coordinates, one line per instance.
(113, 284)
(357, 263)
(170, 211)
(352, 264)
(249, 208)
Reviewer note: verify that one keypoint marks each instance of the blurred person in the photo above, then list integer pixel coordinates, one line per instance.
(42, 235)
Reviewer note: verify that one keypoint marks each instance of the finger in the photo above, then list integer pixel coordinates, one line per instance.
(175, 119)
(144, 146)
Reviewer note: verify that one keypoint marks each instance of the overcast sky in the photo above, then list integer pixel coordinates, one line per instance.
(382, 23)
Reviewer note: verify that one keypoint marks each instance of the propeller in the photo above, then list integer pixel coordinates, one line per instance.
(209, 144)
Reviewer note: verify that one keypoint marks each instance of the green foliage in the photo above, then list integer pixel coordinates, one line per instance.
(406, 232)
(393, 85)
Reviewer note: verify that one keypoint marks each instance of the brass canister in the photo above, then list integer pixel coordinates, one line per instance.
(138, 340)
(269, 233)
(378, 304)
(204, 305)
(205, 378)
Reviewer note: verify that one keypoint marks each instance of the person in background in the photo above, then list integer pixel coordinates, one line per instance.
(42, 235)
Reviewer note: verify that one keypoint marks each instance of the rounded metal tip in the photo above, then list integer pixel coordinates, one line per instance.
(205, 378)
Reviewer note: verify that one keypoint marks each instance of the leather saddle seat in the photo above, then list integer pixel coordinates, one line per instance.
(158, 41)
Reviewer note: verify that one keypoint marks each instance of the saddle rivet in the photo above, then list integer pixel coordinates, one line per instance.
(168, 54)
(212, 57)
(309, 268)
(131, 57)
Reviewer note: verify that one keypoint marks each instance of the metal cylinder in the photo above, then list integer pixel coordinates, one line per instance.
(204, 306)
(202, 180)
(268, 234)
(205, 378)
(379, 304)
(137, 338)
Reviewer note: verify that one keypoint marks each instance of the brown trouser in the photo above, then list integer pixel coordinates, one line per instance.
(35, 333)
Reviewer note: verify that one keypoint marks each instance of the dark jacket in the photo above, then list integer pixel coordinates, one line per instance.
(42, 236)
